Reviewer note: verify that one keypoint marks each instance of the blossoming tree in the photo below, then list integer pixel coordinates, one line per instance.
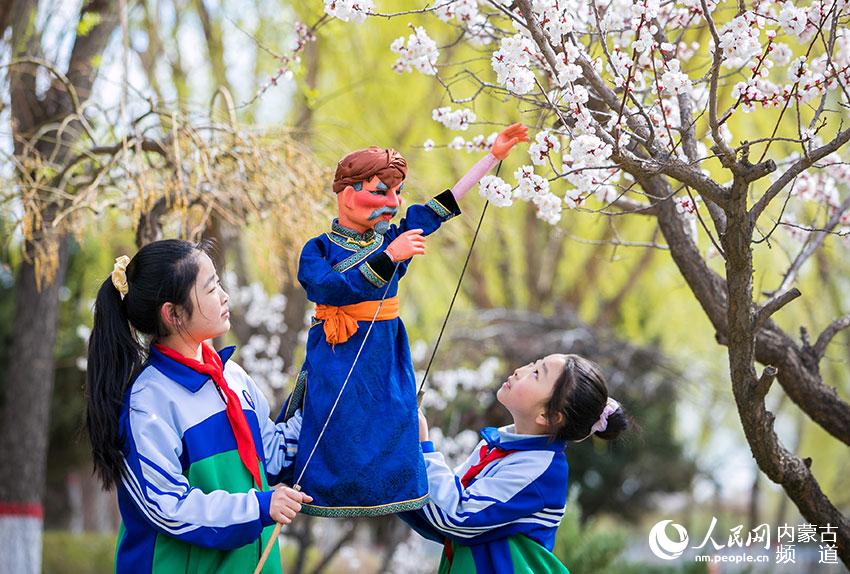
(636, 104)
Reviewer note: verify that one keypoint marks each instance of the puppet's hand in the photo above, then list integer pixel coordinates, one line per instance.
(406, 245)
(508, 138)
(286, 503)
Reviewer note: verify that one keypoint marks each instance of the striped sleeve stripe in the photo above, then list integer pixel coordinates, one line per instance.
(438, 518)
(546, 517)
(475, 506)
(559, 512)
(539, 522)
(166, 493)
(153, 475)
(466, 496)
(140, 494)
(171, 526)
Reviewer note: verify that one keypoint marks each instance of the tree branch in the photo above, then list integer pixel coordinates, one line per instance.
(81, 69)
(831, 331)
(773, 305)
(796, 169)
(813, 242)
(768, 375)
(724, 152)
(680, 171)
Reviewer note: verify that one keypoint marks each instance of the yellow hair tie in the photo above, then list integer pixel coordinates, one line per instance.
(119, 275)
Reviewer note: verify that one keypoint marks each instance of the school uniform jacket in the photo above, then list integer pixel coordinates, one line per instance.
(504, 521)
(187, 502)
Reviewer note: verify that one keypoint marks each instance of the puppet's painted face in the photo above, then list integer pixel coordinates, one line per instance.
(374, 201)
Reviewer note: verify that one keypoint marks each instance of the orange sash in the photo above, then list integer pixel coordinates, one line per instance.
(341, 322)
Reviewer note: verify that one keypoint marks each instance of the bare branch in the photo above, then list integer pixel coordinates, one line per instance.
(628, 206)
(831, 331)
(425, 10)
(796, 169)
(773, 305)
(680, 171)
(726, 155)
(768, 375)
(619, 243)
(813, 242)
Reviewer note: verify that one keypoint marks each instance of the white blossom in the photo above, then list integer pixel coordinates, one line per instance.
(588, 169)
(544, 142)
(457, 143)
(573, 198)
(549, 208)
(465, 11)
(556, 16)
(673, 80)
(453, 119)
(420, 53)
(739, 40)
(781, 53)
(481, 143)
(530, 186)
(512, 63)
(792, 19)
(348, 10)
(496, 191)
(797, 70)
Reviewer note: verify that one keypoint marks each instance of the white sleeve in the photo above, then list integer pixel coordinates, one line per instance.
(280, 441)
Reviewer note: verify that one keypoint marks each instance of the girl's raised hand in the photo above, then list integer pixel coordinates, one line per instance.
(423, 427)
(286, 503)
(507, 139)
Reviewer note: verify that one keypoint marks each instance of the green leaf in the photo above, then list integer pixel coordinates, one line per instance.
(88, 21)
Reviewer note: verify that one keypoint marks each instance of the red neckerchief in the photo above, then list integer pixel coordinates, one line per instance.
(213, 367)
(485, 457)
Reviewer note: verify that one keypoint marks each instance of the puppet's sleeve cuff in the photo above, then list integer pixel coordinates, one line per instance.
(444, 205)
(378, 269)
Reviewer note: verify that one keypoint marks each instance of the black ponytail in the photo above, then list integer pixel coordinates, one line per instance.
(578, 399)
(161, 272)
(115, 355)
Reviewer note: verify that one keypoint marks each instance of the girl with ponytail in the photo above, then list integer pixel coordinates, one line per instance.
(498, 512)
(180, 430)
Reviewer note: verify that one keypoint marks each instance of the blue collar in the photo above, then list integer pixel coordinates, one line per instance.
(182, 374)
(506, 438)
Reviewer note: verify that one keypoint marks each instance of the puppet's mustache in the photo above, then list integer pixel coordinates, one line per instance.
(381, 211)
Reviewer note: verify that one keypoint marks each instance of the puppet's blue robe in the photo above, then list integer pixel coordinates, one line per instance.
(368, 462)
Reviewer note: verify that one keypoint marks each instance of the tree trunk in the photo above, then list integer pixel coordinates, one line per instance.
(24, 426)
(773, 459)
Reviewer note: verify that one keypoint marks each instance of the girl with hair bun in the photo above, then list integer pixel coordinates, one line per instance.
(180, 430)
(498, 511)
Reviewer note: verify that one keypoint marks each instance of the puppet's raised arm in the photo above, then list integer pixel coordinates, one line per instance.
(507, 139)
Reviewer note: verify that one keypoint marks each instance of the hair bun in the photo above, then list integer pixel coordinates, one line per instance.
(617, 423)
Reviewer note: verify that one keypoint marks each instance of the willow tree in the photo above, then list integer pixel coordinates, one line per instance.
(46, 123)
(76, 161)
